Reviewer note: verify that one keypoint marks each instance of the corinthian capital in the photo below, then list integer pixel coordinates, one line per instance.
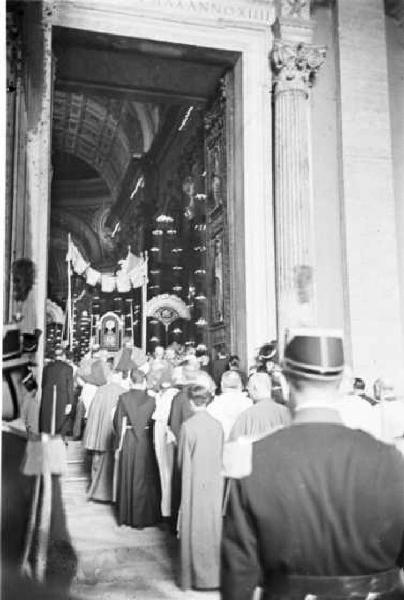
(295, 65)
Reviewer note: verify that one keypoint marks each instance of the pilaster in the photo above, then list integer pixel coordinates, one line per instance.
(370, 234)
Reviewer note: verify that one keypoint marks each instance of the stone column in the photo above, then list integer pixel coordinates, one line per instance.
(295, 65)
(38, 84)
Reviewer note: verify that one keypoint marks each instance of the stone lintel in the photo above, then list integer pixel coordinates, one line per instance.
(242, 13)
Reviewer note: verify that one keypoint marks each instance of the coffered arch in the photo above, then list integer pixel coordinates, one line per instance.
(104, 132)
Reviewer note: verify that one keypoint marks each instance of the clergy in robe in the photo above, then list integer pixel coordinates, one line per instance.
(99, 438)
(264, 416)
(181, 410)
(200, 517)
(164, 441)
(57, 374)
(91, 382)
(228, 405)
(138, 485)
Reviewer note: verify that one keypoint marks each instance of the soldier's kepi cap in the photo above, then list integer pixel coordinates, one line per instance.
(314, 354)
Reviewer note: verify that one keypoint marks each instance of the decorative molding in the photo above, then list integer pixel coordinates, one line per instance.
(295, 9)
(13, 49)
(215, 152)
(295, 65)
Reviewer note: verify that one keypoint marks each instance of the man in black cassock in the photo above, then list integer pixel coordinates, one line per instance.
(322, 511)
(138, 486)
(60, 374)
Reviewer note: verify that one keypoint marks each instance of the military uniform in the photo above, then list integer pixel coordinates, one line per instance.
(322, 512)
(321, 500)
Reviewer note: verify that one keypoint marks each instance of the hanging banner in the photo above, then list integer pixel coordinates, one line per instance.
(54, 313)
(132, 272)
(123, 283)
(107, 282)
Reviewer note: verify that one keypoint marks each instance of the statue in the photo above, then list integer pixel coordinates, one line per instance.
(216, 181)
(218, 281)
(23, 272)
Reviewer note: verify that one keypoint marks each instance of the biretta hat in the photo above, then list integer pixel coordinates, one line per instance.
(314, 354)
(268, 351)
(359, 384)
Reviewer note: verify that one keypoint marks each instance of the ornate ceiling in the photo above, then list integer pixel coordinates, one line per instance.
(395, 9)
(104, 132)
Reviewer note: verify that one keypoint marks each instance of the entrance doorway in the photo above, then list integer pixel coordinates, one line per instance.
(143, 161)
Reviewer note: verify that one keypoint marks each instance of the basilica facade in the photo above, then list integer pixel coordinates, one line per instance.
(251, 149)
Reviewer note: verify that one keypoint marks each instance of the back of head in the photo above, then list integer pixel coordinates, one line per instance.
(199, 395)
(259, 386)
(230, 380)
(97, 374)
(204, 379)
(137, 377)
(234, 362)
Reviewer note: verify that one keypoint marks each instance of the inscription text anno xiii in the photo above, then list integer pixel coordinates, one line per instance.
(209, 8)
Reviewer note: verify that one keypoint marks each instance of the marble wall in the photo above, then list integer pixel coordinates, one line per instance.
(326, 184)
(395, 66)
(370, 236)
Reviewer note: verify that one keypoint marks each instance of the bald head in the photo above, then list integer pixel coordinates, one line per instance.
(230, 380)
(260, 387)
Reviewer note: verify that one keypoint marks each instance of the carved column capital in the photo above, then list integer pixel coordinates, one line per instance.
(295, 65)
(14, 50)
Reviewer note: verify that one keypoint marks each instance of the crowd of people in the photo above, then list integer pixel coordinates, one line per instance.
(270, 479)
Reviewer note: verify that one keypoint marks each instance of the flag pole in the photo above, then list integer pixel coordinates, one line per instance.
(144, 301)
(69, 293)
(131, 321)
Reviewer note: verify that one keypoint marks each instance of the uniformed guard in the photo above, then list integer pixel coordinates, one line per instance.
(322, 512)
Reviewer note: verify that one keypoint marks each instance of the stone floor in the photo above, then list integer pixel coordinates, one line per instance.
(120, 563)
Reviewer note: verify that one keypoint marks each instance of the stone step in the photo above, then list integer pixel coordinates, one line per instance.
(77, 468)
(74, 490)
(142, 588)
(125, 563)
(75, 450)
